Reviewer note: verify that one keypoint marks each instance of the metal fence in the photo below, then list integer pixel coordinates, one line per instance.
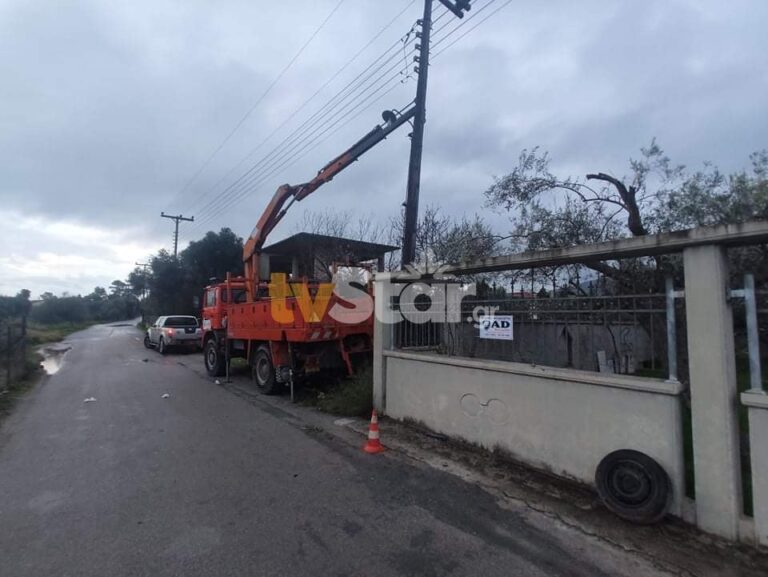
(627, 334)
(13, 352)
(643, 334)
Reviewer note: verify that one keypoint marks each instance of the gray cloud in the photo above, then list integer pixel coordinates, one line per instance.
(107, 109)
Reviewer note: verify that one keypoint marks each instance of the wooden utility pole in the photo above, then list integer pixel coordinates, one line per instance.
(176, 219)
(417, 136)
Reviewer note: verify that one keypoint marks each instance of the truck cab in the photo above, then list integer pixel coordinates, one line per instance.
(216, 299)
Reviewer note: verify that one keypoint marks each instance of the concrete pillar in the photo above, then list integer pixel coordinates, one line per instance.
(757, 403)
(382, 338)
(711, 359)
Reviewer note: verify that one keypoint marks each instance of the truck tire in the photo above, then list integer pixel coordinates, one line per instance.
(263, 372)
(161, 346)
(634, 486)
(215, 364)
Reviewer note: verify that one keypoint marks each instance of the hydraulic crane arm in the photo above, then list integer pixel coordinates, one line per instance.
(289, 194)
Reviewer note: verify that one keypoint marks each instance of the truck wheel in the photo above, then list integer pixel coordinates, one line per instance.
(214, 359)
(264, 372)
(634, 486)
(161, 348)
(147, 342)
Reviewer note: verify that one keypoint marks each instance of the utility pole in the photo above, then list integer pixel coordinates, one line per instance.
(144, 266)
(176, 219)
(417, 136)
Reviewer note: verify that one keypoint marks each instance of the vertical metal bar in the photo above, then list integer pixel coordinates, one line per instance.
(652, 315)
(753, 338)
(671, 331)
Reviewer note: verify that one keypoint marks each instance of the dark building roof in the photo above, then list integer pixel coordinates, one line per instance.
(305, 242)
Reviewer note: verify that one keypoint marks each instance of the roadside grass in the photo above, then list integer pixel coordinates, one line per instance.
(38, 334)
(348, 397)
(18, 387)
(743, 384)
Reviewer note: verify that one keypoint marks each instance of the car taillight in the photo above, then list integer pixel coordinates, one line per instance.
(170, 332)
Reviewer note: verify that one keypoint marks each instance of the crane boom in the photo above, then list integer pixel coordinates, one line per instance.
(289, 194)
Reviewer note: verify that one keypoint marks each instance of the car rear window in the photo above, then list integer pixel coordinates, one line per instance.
(181, 322)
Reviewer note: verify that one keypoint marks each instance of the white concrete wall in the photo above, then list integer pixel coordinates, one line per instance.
(758, 446)
(564, 421)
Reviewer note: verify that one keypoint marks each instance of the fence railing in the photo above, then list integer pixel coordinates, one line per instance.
(13, 351)
(626, 334)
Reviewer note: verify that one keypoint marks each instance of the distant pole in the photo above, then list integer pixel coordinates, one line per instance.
(458, 7)
(176, 219)
(144, 265)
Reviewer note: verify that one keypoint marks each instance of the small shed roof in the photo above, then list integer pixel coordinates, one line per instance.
(305, 242)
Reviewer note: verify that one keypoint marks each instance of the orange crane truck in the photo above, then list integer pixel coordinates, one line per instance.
(285, 329)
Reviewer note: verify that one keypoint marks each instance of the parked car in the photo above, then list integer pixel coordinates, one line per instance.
(174, 331)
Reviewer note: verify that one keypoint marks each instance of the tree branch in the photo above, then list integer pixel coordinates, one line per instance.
(629, 196)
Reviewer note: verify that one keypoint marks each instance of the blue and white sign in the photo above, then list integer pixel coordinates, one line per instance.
(496, 327)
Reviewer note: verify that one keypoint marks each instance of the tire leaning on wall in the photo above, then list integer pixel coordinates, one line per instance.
(634, 486)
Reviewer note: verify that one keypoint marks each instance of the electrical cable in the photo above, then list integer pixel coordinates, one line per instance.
(304, 131)
(308, 100)
(260, 100)
(346, 93)
(298, 154)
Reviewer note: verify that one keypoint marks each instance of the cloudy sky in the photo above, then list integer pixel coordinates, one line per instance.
(109, 110)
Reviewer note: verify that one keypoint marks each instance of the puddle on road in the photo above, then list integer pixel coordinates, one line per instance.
(53, 357)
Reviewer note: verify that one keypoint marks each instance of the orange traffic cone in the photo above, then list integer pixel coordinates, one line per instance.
(373, 445)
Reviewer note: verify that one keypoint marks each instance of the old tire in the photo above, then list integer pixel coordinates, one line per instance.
(214, 359)
(634, 486)
(147, 342)
(161, 346)
(264, 372)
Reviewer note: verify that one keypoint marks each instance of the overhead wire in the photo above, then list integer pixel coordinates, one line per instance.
(303, 153)
(290, 157)
(294, 149)
(473, 17)
(347, 92)
(261, 98)
(327, 113)
(289, 143)
(306, 102)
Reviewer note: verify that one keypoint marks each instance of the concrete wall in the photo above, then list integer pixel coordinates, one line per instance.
(560, 420)
(757, 403)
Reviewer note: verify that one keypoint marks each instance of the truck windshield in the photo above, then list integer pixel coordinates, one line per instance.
(238, 295)
(181, 322)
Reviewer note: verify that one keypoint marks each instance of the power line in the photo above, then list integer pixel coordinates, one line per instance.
(471, 28)
(296, 155)
(292, 149)
(332, 109)
(260, 99)
(308, 100)
(345, 94)
(298, 143)
(305, 135)
(355, 87)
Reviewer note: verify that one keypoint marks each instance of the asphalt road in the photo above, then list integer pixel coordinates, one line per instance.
(207, 482)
